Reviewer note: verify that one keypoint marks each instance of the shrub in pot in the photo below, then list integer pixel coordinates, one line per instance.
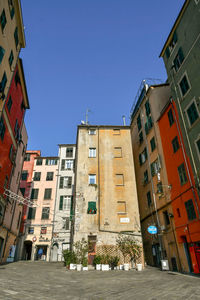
(69, 257)
(97, 262)
(80, 249)
(85, 264)
(105, 259)
(113, 263)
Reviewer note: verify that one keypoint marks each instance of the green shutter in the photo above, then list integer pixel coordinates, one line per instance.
(63, 164)
(167, 52)
(92, 207)
(61, 182)
(69, 183)
(181, 56)
(140, 159)
(61, 203)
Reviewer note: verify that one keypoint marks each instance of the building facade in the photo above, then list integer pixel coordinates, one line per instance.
(105, 189)
(181, 56)
(184, 197)
(153, 187)
(13, 145)
(26, 188)
(12, 39)
(39, 223)
(64, 201)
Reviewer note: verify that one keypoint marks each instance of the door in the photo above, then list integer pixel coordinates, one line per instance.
(55, 252)
(92, 240)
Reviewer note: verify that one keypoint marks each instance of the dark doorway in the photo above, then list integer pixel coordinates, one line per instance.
(156, 255)
(27, 250)
(41, 252)
(92, 240)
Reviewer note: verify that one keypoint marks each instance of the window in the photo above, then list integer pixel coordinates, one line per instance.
(39, 162)
(184, 85)
(116, 131)
(172, 44)
(155, 167)
(65, 182)
(2, 51)
(66, 223)
(119, 179)
(175, 144)
(147, 108)
(34, 194)
(49, 176)
(3, 20)
(153, 144)
(92, 152)
(166, 217)
(2, 128)
(47, 194)
(22, 190)
(121, 207)
(31, 230)
(11, 8)
(198, 145)
(190, 210)
(146, 179)
(65, 203)
(92, 131)
(37, 176)
(92, 208)
(16, 37)
(12, 153)
(149, 199)
(9, 104)
(143, 156)
(69, 152)
(192, 113)
(51, 162)
(159, 188)
(31, 213)
(141, 137)
(182, 174)
(24, 175)
(67, 164)
(178, 59)
(139, 124)
(3, 83)
(170, 117)
(92, 179)
(43, 230)
(148, 125)
(45, 213)
(27, 157)
(117, 152)
(11, 58)
(178, 212)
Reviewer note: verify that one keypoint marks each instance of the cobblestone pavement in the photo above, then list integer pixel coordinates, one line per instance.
(42, 280)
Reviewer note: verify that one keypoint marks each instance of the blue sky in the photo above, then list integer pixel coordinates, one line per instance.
(88, 54)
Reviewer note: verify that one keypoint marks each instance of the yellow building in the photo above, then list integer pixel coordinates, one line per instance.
(12, 39)
(105, 189)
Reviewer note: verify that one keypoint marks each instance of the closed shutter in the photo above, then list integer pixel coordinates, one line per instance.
(92, 207)
(61, 203)
(61, 182)
(63, 164)
(69, 184)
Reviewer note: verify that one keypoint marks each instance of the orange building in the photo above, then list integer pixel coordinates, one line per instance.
(184, 198)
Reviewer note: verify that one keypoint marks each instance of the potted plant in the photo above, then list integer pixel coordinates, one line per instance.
(122, 243)
(80, 249)
(69, 259)
(114, 260)
(105, 262)
(85, 264)
(134, 249)
(97, 262)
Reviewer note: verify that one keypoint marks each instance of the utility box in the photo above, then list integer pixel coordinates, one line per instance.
(165, 265)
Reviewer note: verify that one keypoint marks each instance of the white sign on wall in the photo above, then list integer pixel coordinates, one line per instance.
(124, 220)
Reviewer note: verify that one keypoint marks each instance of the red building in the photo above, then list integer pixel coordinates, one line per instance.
(184, 198)
(11, 142)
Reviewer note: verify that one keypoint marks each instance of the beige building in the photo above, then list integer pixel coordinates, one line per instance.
(153, 188)
(105, 189)
(12, 39)
(39, 223)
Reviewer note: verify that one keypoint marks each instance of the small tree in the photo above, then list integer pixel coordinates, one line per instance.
(81, 249)
(123, 245)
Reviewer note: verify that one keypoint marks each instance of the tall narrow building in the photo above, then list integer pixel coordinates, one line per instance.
(105, 189)
(64, 201)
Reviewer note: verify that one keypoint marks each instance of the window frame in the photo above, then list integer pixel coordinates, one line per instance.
(92, 131)
(47, 193)
(193, 101)
(34, 194)
(90, 179)
(185, 94)
(183, 172)
(45, 210)
(49, 176)
(37, 176)
(175, 144)
(191, 213)
(92, 152)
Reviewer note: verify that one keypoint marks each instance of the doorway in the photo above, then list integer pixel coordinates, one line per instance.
(92, 240)
(27, 250)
